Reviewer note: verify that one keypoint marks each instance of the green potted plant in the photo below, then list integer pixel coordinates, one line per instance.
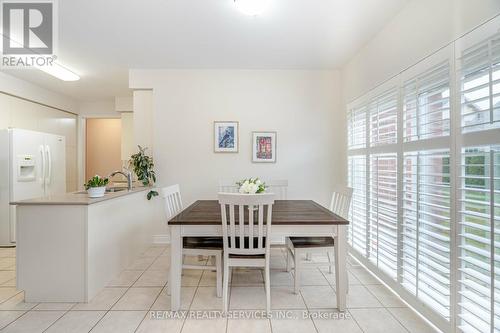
(96, 186)
(143, 167)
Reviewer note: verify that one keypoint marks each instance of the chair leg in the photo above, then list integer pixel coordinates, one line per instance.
(329, 262)
(268, 288)
(218, 265)
(297, 271)
(288, 259)
(225, 289)
(308, 256)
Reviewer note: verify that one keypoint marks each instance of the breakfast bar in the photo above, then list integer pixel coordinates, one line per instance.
(70, 246)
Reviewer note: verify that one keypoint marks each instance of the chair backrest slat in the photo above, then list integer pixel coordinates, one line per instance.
(253, 206)
(341, 201)
(279, 187)
(241, 224)
(228, 186)
(260, 227)
(173, 202)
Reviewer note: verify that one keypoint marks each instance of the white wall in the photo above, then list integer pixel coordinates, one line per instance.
(143, 131)
(302, 106)
(38, 109)
(17, 87)
(98, 109)
(124, 103)
(420, 29)
(128, 146)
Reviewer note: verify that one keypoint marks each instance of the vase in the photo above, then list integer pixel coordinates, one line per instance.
(96, 192)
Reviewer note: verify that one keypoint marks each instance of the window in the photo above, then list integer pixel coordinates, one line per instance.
(426, 228)
(356, 135)
(479, 239)
(357, 216)
(383, 212)
(426, 105)
(426, 203)
(480, 86)
(383, 118)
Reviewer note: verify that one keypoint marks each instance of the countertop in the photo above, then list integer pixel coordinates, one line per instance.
(78, 198)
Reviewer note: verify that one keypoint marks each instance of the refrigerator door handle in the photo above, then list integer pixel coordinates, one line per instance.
(42, 153)
(49, 165)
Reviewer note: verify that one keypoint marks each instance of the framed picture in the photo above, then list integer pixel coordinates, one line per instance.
(226, 137)
(264, 147)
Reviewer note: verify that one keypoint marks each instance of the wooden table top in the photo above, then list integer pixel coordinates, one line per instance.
(285, 212)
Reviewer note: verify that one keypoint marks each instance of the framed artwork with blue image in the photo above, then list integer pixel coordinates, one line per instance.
(226, 137)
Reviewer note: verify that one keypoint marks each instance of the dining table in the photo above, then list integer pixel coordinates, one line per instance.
(290, 218)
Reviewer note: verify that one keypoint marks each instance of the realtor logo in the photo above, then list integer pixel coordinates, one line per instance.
(28, 31)
(27, 28)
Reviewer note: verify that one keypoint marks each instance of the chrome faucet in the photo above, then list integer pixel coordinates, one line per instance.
(127, 175)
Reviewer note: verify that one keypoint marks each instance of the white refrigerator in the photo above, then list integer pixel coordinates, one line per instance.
(32, 165)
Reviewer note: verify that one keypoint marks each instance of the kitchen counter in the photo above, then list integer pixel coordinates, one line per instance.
(77, 198)
(70, 246)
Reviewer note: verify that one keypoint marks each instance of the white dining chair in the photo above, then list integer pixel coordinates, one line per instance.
(228, 186)
(279, 187)
(300, 247)
(194, 246)
(245, 244)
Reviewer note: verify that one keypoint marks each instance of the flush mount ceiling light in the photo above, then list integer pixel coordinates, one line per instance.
(55, 69)
(251, 7)
(60, 72)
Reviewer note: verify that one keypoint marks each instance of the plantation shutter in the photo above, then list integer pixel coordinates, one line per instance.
(480, 86)
(426, 104)
(479, 230)
(357, 216)
(426, 228)
(356, 128)
(383, 118)
(383, 212)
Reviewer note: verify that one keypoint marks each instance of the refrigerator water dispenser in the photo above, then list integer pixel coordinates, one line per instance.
(26, 168)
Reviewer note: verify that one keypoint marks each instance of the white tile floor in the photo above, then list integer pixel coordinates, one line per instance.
(126, 304)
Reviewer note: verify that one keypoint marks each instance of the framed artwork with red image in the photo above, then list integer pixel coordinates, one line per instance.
(264, 147)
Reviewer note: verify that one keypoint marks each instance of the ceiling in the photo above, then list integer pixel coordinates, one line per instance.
(101, 40)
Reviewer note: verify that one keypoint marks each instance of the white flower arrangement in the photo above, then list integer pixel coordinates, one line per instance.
(251, 186)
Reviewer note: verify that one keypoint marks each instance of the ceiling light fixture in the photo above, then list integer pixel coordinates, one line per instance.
(60, 72)
(56, 70)
(251, 7)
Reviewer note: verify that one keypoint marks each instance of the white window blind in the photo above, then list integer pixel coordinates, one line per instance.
(426, 228)
(426, 104)
(356, 128)
(479, 253)
(480, 86)
(440, 240)
(383, 118)
(383, 212)
(357, 216)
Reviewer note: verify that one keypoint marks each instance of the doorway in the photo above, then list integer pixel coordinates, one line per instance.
(103, 146)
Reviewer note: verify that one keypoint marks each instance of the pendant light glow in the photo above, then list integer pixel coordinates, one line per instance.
(251, 7)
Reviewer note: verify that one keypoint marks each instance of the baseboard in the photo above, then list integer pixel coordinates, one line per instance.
(161, 239)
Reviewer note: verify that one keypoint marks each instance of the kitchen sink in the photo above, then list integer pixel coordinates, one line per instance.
(115, 189)
(109, 190)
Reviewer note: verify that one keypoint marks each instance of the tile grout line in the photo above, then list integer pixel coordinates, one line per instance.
(194, 295)
(347, 309)
(128, 288)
